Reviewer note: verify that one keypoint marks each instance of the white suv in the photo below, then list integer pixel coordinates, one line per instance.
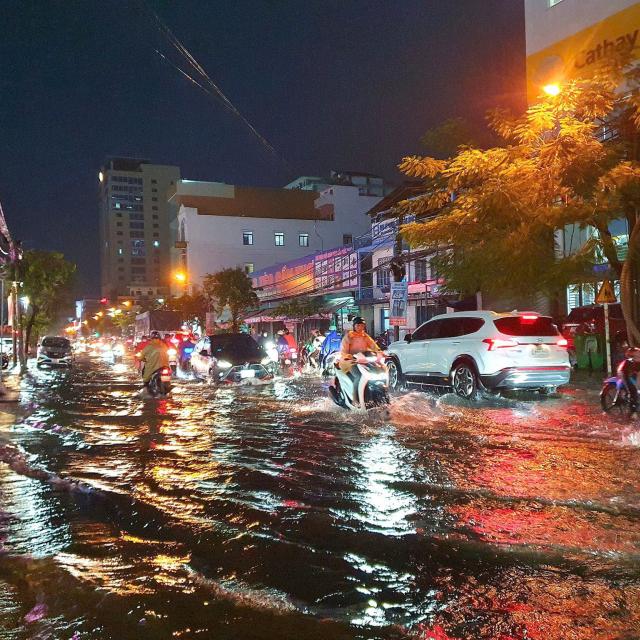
(482, 349)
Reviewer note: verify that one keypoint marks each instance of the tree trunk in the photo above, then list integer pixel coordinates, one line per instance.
(627, 286)
(29, 329)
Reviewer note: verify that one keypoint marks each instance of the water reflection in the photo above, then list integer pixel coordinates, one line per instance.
(266, 512)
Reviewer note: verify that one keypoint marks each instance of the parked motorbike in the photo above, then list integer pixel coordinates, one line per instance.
(160, 383)
(614, 395)
(365, 385)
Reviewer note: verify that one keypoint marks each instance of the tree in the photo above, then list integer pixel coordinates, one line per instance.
(492, 215)
(444, 140)
(47, 279)
(230, 289)
(192, 308)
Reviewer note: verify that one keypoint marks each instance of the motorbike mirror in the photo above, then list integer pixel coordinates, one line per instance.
(204, 353)
(408, 338)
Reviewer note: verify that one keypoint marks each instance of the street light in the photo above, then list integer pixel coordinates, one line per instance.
(551, 89)
(180, 276)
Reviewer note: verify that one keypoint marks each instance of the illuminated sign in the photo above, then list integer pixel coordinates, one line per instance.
(580, 55)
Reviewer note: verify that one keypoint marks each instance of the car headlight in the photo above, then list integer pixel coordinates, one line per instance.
(224, 364)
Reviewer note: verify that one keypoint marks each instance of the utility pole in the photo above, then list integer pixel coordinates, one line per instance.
(398, 269)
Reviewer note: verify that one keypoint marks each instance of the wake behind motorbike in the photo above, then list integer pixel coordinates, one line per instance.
(363, 385)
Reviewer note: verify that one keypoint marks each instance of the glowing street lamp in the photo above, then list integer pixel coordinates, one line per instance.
(180, 276)
(551, 89)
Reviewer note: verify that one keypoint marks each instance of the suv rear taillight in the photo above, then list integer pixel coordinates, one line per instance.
(165, 374)
(499, 343)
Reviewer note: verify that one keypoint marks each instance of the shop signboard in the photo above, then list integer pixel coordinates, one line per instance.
(398, 304)
(336, 269)
(290, 278)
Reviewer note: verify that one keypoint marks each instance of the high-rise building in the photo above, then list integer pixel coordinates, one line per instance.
(134, 227)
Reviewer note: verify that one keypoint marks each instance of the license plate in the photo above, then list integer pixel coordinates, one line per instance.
(247, 373)
(539, 351)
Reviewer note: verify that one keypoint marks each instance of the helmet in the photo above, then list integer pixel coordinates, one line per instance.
(358, 320)
(155, 335)
(633, 353)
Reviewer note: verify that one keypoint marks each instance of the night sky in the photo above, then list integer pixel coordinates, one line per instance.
(344, 84)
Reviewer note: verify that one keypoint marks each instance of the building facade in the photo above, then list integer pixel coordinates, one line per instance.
(368, 184)
(221, 226)
(135, 219)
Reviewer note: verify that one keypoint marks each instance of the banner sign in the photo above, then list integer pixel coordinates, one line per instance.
(291, 278)
(336, 269)
(398, 304)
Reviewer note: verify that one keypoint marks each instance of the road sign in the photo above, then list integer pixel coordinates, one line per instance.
(606, 294)
(398, 298)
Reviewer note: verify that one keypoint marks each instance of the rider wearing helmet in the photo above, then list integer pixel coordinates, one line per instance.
(628, 369)
(358, 340)
(154, 356)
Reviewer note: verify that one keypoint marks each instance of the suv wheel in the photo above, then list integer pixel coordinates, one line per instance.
(395, 375)
(464, 380)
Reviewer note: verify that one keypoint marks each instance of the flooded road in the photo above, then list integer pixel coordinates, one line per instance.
(263, 512)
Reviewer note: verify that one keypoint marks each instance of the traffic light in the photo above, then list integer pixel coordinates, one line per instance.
(398, 269)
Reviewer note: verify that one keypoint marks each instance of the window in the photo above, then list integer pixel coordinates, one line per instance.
(427, 331)
(248, 267)
(523, 327)
(278, 238)
(138, 261)
(139, 270)
(303, 239)
(154, 207)
(118, 215)
(383, 276)
(154, 199)
(136, 234)
(136, 225)
(118, 233)
(154, 191)
(154, 181)
(156, 225)
(137, 248)
(347, 238)
(156, 243)
(420, 270)
(155, 216)
(156, 235)
(120, 251)
(247, 237)
(118, 224)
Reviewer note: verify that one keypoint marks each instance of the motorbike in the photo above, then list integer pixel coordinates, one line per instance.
(365, 385)
(160, 382)
(185, 356)
(328, 364)
(288, 361)
(172, 352)
(614, 395)
(117, 353)
(5, 361)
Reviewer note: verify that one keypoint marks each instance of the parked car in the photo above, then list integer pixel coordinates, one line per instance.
(592, 315)
(230, 357)
(54, 351)
(482, 349)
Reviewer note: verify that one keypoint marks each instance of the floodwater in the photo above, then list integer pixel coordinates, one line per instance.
(263, 512)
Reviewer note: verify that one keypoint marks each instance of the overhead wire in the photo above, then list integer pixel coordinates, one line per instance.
(211, 88)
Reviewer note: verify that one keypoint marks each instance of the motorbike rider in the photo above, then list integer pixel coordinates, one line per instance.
(627, 369)
(357, 341)
(185, 350)
(154, 355)
(332, 343)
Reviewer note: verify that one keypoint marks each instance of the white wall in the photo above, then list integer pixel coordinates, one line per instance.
(215, 242)
(546, 25)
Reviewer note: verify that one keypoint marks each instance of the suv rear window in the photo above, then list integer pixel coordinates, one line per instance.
(519, 326)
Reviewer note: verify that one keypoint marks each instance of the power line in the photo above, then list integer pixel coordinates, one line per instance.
(211, 88)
